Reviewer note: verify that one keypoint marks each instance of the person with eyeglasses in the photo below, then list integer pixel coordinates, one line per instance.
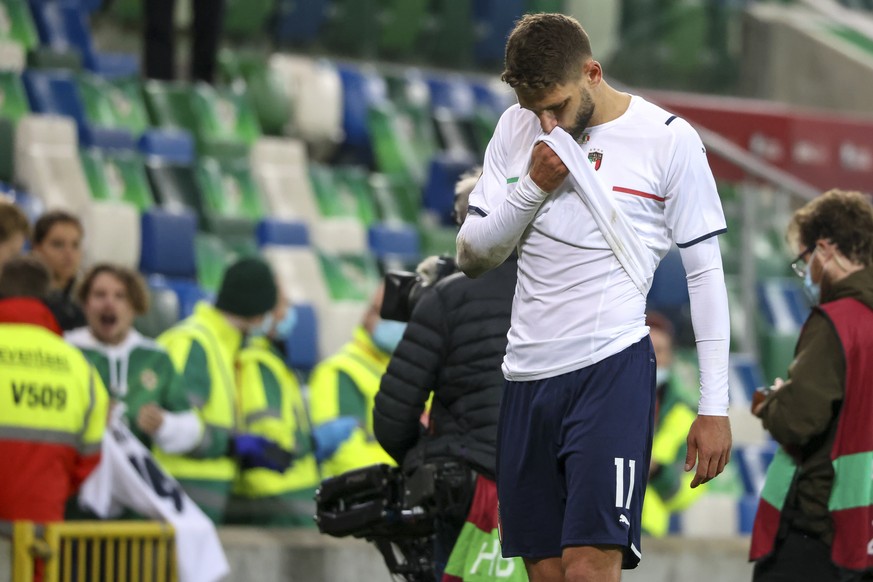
(815, 517)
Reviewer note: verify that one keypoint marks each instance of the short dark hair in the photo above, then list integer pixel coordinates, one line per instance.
(137, 292)
(24, 277)
(545, 50)
(843, 217)
(45, 223)
(12, 220)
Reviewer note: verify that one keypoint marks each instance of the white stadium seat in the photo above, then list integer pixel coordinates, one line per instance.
(112, 233)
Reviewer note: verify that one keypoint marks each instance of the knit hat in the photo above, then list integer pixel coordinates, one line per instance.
(248, 289)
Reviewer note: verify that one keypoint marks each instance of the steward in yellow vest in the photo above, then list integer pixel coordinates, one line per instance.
(344, 386)
(272, 406)
(204, 348)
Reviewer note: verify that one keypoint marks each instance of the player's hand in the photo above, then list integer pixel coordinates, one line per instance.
(150, 418)
(546, 168)
(709, 444)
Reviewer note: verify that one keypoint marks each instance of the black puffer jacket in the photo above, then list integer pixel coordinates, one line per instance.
(453, 346)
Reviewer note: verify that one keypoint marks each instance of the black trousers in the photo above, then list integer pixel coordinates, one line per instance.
(800, 558)
(159, 42)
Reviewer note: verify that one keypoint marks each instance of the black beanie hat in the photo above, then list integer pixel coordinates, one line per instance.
(248, 289)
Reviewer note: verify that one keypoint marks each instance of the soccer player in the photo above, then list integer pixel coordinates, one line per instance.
(577, 412)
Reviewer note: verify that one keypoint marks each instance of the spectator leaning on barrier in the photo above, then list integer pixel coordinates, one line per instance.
(14, 231)
(135, 369)
(452, 348)
(53, 405)
(814, 518)
(204, 348)
(272, 406)
(342, 392)
(57, 242)
(669, 488)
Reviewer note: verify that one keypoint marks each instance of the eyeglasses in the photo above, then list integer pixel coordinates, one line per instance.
(799, 265)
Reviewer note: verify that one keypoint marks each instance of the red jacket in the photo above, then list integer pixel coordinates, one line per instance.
(53, 410)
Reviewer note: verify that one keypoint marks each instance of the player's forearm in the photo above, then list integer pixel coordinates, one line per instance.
(484, 242)
(711, 321)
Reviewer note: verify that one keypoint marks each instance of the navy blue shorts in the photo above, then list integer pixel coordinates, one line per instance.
(573, 457)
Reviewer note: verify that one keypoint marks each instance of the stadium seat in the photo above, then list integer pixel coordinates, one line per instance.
(18, 24)
(744, 377)
(300, 23)
(784, 308)
(340, 236)
(225, 123)
(353, 28)
(317, 115)
(62, 25)
(438, 240)
(56, 93)
(12, 56)
(13, 106)
(268, 91)
(390, 243)
(338, 321)
(168, 243)
(454, 111)
(117, 176)
(747, 507)
(299, 271)
(116, 104)
(363, 88)
(494, 20)
(301, 347)
(277, 232)
(344, 191)
(163, 310)
(400, 27)
(439, 192)
(450, 41)
(189, 293)
(47, 162)
(176, 189)
(30, 205)
(213, 256)
(279, 167)
(350, 277)
(168, 146)
(170, 105)
(112, 233)
(400, 145)
(493, 96)
(247, 18)
(229, 189)
(396, 198)
(752, 461)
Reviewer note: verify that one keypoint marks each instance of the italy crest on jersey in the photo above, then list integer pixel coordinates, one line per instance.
(595, 157)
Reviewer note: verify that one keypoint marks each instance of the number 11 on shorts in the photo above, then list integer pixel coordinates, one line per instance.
(620, 499)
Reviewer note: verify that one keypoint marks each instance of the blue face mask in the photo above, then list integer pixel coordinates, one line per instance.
(286, 326)
(388, 334)
(813, 290)
(262, 328)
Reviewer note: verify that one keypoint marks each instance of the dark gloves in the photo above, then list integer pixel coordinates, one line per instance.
(252, 451)
(330, 435)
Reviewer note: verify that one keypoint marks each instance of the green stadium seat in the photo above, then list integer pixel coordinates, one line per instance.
(398, 200)
(169, 105)
(247, 18)
(350, 277)
(353, 27)
(13, 106)
(533, 6)
(48, 58)
(450, 41)
(268, 91)
(225, 121)
(16, 24)
(175, 187)
(212, 257)
(438, 240)
(228, 189)
(343, 191)
(117, 175)
(400, 26)
(116, 104)
(397, 146)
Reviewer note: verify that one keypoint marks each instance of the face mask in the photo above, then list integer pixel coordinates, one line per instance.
(388, 334)
(286, 326)
(662, 376)
(813, 290)
(262, 328)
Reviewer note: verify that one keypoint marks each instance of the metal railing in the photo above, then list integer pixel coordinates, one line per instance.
(79, 551)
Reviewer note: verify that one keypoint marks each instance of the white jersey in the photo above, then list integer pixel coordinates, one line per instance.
(574, 304)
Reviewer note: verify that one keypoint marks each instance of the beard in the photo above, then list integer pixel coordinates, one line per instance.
(583, 116)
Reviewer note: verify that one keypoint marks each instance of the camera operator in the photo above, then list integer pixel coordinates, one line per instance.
(453, 347)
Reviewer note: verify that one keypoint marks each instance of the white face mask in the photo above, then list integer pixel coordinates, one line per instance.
(662, 376)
